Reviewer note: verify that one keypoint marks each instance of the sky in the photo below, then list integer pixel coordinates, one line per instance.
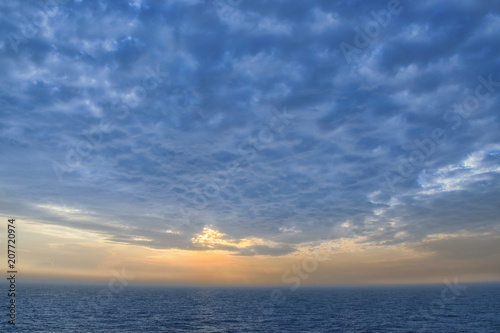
(242, 142)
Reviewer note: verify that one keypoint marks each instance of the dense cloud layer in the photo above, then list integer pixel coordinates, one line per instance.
(282, 122)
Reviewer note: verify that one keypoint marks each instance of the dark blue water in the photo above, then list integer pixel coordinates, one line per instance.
(438, 308)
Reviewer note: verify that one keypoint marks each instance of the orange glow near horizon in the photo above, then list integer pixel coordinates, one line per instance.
(49, 252)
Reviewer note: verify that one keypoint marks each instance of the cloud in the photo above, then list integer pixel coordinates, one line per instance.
(175, 116)
(461, 246)
(213, 239)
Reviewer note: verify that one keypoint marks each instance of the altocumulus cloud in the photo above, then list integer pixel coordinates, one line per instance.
(149, 121)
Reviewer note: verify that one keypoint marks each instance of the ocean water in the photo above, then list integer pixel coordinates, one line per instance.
(436, 308)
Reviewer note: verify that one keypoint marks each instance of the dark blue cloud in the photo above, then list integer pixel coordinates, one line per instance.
(248, 117)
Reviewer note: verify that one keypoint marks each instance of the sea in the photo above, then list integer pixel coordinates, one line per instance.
(450, 307)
